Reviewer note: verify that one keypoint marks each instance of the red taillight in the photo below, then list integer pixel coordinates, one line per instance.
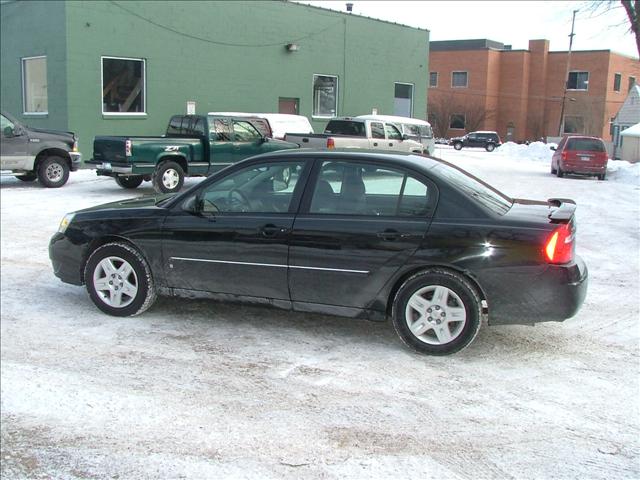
(127, 148)
(565, 155)
(331, 143)
(560, 245)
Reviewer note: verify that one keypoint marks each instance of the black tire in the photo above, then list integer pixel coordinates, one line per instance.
(27, 177)
(132, 181)
(560, 173)
(457, 145)
(602, 176)
(139, 277)
(53, 172)
(461, 294)
(490, 147)
(168, 177)
(553, 170)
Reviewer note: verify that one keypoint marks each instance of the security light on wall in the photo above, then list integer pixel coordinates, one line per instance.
(292, 47)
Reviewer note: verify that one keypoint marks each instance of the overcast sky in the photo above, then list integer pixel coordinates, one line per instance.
(510, 22)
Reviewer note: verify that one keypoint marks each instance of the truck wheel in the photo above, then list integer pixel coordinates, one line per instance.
(133, 181)
(457, 146)
(27, 177)
(53, 172)
(168, 177)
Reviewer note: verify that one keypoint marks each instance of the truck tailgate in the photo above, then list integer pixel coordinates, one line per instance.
(109, 149)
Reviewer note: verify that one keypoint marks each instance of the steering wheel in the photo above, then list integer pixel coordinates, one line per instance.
(236, 197)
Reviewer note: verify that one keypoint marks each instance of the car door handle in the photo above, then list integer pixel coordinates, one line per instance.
(375, 144)
(391, 235)
(271, 230)
(391, 144)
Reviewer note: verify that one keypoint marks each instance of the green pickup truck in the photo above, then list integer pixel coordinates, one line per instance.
(194, 145)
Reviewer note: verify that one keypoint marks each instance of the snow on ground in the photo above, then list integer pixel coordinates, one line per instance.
(199, 389)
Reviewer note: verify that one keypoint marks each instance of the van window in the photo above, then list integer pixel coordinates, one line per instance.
(589, 144)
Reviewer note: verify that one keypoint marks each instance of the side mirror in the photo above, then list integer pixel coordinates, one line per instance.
(263, 140)
(405, 136)
(8, 132)
(193, 205)
(552, 148)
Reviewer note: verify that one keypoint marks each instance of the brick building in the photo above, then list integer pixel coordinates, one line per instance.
(485, 85)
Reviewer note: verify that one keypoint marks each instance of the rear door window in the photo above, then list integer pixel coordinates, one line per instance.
(585, 144)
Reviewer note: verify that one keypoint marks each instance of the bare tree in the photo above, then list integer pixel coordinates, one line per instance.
(441, 106)
(631, 7)
(475, 115)
(536, 125)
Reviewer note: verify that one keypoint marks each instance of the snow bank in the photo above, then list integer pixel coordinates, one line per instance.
(536, 151)
(623, 171)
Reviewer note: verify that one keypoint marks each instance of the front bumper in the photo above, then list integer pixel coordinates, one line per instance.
(76, 160)
(553, 295)
(66, 259)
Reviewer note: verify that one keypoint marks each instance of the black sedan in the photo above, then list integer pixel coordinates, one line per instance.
(364, 234)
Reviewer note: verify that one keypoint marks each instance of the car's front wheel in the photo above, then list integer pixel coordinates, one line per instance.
(437, 312)
(119, 280)
(457, 145)
(168, 177)
(53, 172)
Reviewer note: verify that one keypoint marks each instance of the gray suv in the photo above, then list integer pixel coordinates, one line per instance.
(487, 140)
(30, 153)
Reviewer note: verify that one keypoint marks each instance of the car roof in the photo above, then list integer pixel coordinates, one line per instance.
(394, 119)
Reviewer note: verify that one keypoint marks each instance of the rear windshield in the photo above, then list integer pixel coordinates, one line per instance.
(589, 144)
(346, 127)
(473, 187)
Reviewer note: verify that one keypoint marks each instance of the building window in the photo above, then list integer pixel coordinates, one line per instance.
(457, 121)
(459, 79)
(578, 81)
(573, 124)
(34, 85)
(403, 99)
(123, 86)
(433, 79)
(325, 96)
(617, 80)
(632, 82)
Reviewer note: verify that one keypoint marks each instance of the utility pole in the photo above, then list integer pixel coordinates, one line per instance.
(566, 77)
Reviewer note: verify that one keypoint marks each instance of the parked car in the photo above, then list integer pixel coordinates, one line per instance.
(33, 153)
(414, 128)
(352, 132)
(369, 235)
(580, 155)
(194, 145)
(487, 140)
(279, 123)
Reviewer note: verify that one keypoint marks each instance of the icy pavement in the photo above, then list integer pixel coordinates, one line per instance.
(197, 389)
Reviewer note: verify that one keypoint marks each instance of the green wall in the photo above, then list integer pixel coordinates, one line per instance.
(225, 56)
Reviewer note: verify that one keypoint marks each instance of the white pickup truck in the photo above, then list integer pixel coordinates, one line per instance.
(357, 133)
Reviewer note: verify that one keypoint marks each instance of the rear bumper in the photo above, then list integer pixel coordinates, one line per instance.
(553, 295)
(583, 168)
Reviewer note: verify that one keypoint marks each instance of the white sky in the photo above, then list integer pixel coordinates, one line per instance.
(510, 22)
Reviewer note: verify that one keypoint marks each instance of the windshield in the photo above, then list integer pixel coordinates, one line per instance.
(473, 187)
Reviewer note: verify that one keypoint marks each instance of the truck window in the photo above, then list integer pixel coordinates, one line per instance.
(377, 130)
(346, 127)
(175, 125)
(196, 127)
(392, 132)
(220, 130)
(245, 132)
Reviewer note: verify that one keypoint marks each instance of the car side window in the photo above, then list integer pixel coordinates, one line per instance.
(221, 130)
(263, 188)
(245, 132)
(377, 130)
(392, 132)
(365, 189)
(175, 125)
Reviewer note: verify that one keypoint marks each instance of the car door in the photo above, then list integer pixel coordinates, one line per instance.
(394, 138)
(472, 140)
(378, 137)
(220, 143)
(247, 141)
(358, 224)
(231, 235)
(13, 148)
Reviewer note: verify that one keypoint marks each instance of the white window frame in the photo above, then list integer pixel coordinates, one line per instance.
(413, 90)
(437, 77)
(313, 84)
(144, 87)
(460, 71)
(579, 89)
(24, 90)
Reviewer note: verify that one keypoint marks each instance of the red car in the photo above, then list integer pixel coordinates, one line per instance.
(581, 155)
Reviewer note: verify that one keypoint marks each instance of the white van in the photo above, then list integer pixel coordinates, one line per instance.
(414, 128)
(281, 123)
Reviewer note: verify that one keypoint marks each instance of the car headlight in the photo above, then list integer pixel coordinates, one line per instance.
(66, 221)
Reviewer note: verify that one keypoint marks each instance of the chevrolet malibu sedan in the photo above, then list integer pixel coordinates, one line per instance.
(367, 235)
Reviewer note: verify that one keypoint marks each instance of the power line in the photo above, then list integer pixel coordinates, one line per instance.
(217, 42)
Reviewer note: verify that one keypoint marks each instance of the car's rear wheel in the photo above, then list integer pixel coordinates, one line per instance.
(437, 312)
(119, 280)
(131, 181)
(560, 172)
(490, 147)
(602, 176)
(27, 177)
(168, 177)
(553, 170)
(457, 145)
(53, 172)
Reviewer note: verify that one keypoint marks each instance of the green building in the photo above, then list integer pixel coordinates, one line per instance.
(124, 67)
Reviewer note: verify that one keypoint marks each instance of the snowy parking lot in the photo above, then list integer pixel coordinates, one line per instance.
(199, 389)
